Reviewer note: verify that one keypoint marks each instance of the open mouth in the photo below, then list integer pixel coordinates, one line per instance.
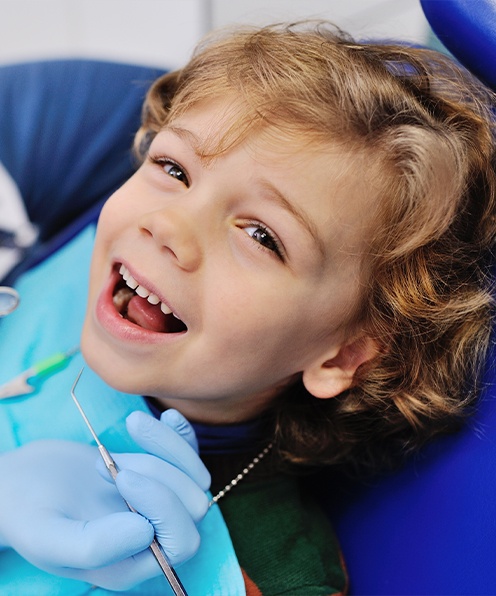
(142, 307)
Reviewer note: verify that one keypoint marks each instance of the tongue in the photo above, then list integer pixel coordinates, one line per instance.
(146, 315)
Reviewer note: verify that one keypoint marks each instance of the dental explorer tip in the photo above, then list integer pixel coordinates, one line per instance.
(81, 411)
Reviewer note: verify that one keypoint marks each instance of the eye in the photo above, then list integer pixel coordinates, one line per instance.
(265, 238)
(171, 168)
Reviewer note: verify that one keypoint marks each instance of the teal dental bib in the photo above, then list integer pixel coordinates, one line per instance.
(49, 320)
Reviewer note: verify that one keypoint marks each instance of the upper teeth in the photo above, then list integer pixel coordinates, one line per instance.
(142, 291)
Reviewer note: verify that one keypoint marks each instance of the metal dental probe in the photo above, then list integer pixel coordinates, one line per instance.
(167, 569)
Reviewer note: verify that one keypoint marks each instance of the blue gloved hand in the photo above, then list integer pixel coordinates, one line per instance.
(65, 518)
(153, 482)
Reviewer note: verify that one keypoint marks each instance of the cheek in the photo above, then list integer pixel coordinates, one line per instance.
(115, 217)
(123, 205)
(113, 212)
(268, 333)
(108, 230)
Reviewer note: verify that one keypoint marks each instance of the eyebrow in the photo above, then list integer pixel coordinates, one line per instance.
(185, 135)
(272, 192)
(276, 196)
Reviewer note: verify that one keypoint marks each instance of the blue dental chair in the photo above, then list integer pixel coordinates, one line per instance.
(430, 528)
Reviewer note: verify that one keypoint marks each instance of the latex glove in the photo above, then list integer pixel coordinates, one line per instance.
(63, 517)
(153, 482)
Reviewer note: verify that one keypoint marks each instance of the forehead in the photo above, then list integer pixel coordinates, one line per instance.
(213, 126)
(216, 126)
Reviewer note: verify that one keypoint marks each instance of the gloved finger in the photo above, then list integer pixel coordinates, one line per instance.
(161, 440)
(100, 542)
(174, 528)
(178, 422)
(192, 496)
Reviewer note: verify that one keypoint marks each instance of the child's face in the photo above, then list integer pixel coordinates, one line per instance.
(259, 254)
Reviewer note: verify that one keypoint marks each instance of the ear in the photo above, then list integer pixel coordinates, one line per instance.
(333, 373)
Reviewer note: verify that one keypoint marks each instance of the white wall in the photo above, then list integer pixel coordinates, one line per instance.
(362, 18)
(154, 32)
(163, 32)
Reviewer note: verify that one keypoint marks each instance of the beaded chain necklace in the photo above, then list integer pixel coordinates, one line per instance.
(241, 475)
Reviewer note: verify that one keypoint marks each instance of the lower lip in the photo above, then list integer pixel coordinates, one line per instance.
(119, 327)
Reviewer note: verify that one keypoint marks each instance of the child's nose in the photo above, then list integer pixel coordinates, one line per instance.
(174, 231)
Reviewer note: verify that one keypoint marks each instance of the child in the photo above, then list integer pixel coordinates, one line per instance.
(300, 267)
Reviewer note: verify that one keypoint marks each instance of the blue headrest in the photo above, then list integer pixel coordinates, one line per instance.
(66, 129)
(468, 30)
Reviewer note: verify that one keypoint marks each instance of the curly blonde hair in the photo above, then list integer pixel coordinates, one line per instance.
(428, 303)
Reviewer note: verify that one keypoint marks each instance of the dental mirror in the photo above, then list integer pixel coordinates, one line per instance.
(9, 300)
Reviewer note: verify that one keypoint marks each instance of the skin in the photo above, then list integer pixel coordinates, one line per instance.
(258, 251)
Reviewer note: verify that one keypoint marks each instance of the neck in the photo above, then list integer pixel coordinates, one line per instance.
(221, 411)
